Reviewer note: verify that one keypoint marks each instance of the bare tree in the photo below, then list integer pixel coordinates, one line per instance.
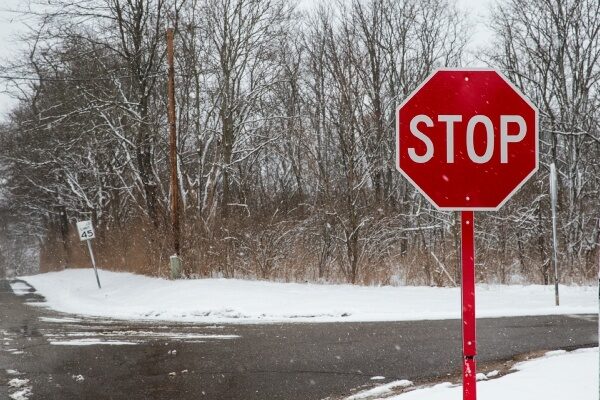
(551, 50)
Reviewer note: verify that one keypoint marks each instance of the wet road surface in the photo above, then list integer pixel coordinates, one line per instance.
(47, 355)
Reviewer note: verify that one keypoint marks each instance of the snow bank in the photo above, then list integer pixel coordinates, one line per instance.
(558, 375)
(129, 296)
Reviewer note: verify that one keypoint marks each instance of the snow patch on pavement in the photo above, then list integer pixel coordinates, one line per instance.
(381, 390)
(60, 320)
(19, 288)
(24, 390)
(129, 296)
(12, 372)
(142, 335)
(18, 383)
(22, 394)
(481, 377)
(90, 342)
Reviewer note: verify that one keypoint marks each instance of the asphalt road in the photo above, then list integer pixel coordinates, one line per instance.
(276, 361)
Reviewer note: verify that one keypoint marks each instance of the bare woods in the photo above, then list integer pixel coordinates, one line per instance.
(285, 121)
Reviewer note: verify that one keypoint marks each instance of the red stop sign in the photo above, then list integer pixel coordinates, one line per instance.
(467, 139)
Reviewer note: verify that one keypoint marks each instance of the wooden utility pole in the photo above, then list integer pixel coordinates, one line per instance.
(175, 261)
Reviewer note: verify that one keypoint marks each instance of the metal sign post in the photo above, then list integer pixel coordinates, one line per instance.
(89, 243)
(553, 195)
(86, 233)
(468, 304)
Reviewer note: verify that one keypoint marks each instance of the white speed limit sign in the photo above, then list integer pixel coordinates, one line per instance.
(86, 234)
(86, 230)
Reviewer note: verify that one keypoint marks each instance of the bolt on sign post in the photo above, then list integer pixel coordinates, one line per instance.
(86, 233)
(467, 139)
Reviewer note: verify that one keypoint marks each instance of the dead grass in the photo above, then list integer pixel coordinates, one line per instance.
(286, 251)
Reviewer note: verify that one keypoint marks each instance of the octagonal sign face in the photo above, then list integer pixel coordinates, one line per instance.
(467, 139)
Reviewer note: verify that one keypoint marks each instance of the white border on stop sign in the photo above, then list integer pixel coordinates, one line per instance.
(536, 132)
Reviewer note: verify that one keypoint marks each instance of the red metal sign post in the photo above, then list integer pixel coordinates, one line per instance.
(468, 304)
(467, 139)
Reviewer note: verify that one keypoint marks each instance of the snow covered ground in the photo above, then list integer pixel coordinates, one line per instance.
(557, 375)
(129, 296)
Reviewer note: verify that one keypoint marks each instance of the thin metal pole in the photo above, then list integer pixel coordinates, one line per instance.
(173, 142)
(553, 194)
(93, 262)
(468, 305)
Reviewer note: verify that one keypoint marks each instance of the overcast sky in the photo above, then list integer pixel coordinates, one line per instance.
(11, 25)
